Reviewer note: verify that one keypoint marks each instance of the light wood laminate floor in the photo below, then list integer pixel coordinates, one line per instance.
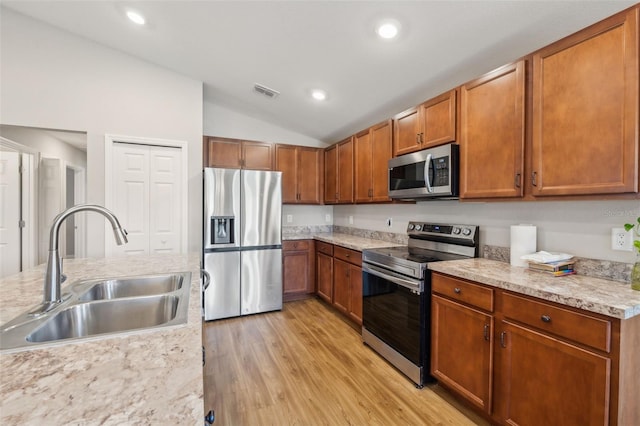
(306, 366)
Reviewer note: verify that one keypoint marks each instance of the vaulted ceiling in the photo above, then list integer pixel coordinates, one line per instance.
(296, 46)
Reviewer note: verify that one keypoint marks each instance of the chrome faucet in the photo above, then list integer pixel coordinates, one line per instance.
(53, 277)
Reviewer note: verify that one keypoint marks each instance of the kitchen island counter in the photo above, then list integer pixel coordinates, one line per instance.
(611, 298)
(139, 377)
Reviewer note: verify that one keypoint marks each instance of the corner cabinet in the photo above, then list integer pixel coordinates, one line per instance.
(532, 362)
(492, 134)
(298, 269)
(237, 154)
(585, 111)
(301, 169)
(430, 124)
(338, 173)
(373, 150)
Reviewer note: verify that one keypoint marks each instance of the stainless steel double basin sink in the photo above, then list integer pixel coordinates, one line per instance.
(104, 306)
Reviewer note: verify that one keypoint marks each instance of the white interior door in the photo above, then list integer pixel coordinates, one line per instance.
(147, 197)
(165, 205)
(51, 197)
(131, 196)
(9, 213)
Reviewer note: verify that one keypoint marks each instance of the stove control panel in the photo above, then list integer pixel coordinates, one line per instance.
(466, 232)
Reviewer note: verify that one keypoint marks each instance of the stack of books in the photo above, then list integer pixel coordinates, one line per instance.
(558, 269)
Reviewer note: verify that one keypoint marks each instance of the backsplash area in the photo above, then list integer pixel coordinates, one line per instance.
(606, 269)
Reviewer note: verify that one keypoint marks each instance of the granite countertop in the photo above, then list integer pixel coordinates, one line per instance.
(139, 377)
(601, 296)
(345, 240)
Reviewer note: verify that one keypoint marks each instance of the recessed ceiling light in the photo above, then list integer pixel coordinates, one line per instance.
(319, 95)
(135, 17)
(387, 30)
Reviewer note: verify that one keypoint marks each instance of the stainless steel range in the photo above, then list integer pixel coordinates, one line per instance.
(396, 319)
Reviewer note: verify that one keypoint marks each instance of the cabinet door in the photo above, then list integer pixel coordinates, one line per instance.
(257, 155)
(295, 277)
(363, 166)
(381, 147)
(287, 164)
(223, 153)
(355, 293)
(331, 174)
(341, 273)
(438, 117)
(345, 171)
(549, 382)
(585, 111)
(309, 175)
(492, 134)
(461, 350)
(324, 268)
(406, 126)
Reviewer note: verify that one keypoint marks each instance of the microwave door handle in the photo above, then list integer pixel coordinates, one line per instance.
(396, 280)
(427, 166)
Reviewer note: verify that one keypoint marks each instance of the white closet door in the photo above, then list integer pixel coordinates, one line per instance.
(9, 213)
(147, 198)
(165, 200)
(131, 196)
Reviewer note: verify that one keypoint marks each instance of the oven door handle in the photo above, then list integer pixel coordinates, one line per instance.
(390, 276)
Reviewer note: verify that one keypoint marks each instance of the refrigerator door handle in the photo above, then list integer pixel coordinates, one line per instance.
(206, 279)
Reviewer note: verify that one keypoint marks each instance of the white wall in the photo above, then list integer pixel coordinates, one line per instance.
(224, 122)
(52, 79)
(582, 228)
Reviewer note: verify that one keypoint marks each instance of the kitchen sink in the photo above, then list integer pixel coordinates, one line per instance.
(88, 319)
(99, 307)
(131, 287)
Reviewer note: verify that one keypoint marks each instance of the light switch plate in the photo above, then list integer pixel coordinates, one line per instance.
(350, 220)
(289, 218)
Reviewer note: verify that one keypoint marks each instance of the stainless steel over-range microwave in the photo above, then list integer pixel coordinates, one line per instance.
(426, 174)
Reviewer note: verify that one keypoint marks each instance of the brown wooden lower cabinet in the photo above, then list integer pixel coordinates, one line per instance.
(298, 269)
(525, 361)
(339, 279)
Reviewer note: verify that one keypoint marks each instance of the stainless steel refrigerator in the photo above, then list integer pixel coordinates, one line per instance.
(242, 245)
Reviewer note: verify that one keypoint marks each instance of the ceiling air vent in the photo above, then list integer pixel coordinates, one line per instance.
(264, 90)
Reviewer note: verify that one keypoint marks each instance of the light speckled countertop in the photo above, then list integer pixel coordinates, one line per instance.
(138, 377)
(606, 297)
(344, 240)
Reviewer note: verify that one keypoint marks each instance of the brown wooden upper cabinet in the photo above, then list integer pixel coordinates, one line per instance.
(301, 169)
(429, 124)
(372, 153)
(585, 111)
(339, 173)
(237, 154)
(492, 134)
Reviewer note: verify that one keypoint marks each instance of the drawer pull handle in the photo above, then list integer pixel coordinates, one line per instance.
(457, 290)
(486, 332)
(503, 336)
(545, 318)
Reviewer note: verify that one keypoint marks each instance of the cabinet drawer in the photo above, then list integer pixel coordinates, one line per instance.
(581, 328)
(463, 291)
(348, 255)
(296, 245)
(325, 248)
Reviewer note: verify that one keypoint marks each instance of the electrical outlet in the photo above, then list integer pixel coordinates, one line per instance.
(350, 220)
(327, 218)
(289, 218)
(389, 222)
(621, 240)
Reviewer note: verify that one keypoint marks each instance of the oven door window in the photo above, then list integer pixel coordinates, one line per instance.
(395, 315)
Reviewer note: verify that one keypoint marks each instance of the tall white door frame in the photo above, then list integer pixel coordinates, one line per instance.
(29, 160)
(79, 196)
(110, 140)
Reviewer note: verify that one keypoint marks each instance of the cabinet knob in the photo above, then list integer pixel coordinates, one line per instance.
(457, 290)
(546, 318)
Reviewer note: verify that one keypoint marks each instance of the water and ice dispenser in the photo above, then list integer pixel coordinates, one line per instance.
(222, 230)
